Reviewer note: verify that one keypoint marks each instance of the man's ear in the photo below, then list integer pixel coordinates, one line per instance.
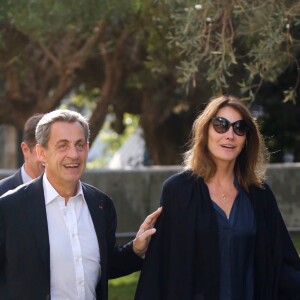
(40, 152)
(25, 148)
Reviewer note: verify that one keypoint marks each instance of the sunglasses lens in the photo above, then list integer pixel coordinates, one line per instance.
(220, 125)
(240, 127)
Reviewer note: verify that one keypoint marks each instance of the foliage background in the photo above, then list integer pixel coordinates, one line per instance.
(158, 60)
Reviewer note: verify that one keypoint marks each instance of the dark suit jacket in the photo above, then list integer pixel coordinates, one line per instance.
(11, 182)
(24, 243)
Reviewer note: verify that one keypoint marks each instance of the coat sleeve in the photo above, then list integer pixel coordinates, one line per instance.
(151, 278)
(290, 269)
(2, 254)
(2, 241)
(121, 258)
(167, 270)
(289, 278)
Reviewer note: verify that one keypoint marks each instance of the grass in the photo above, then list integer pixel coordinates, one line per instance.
(296, 239)
(123, 288)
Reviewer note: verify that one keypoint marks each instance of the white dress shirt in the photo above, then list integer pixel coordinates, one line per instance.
(74, 251)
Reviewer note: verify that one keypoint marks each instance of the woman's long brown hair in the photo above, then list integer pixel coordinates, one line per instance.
(250, 166)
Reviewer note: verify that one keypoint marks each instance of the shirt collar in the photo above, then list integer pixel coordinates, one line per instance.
(25, 177)
(51, 193)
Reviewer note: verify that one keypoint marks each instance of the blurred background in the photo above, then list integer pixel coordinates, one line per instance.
(142, 70)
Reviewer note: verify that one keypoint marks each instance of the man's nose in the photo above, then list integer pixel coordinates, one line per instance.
(73, 151)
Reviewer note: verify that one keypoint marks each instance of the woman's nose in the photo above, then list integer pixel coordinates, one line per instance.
(230, 133)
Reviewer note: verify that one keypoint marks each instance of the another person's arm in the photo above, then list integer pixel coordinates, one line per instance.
(143, 236)
(125, 259)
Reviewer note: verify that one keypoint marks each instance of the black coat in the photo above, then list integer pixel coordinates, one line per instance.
(11, 182)
(182, 262)
(24, 243)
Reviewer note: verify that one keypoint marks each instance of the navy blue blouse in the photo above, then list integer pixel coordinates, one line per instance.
(236, 243)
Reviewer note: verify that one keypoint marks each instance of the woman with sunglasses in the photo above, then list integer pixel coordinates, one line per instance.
(220, 235)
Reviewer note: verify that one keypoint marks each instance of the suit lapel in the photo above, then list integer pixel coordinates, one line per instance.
(34, 207)
(96, 208)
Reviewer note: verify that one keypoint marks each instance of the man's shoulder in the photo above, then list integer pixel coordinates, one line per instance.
(93, 191)
(10, 178)
(23, 190)
(10, 182)
(93, 195)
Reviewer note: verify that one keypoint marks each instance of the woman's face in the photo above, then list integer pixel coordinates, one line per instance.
(225, 147)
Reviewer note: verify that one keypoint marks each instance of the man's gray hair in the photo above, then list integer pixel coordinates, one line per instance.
(43, 129)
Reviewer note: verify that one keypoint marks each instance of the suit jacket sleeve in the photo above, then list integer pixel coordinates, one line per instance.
(116, 260)
(121, 258)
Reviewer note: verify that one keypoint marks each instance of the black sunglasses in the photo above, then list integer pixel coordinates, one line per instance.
(222, 125)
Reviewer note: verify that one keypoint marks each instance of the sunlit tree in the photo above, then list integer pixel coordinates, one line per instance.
(160, 60)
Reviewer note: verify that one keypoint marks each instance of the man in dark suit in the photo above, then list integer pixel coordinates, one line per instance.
(32, 167)
(57, 234)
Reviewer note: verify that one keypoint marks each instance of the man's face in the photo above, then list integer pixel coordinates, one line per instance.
(65, 155)
(33, 166)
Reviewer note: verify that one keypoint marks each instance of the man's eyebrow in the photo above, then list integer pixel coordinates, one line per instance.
(68, 141)
(62, 141)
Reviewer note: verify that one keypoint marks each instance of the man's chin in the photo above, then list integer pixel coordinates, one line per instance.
(72, 176)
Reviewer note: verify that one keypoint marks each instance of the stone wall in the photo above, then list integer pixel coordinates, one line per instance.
(136, 192)
(284, 180)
